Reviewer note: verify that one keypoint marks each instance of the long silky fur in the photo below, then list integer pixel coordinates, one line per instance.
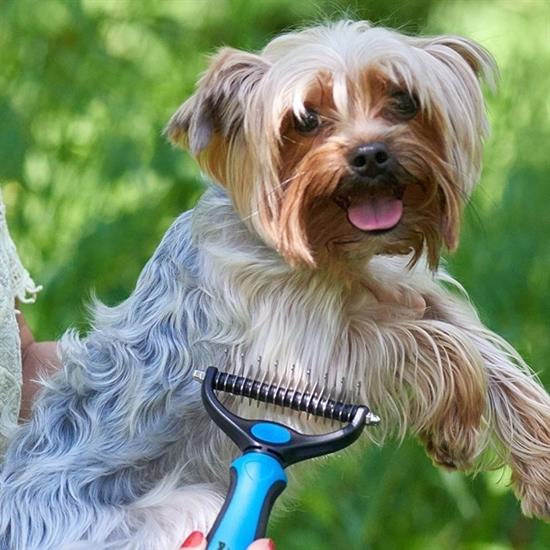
(120, 454)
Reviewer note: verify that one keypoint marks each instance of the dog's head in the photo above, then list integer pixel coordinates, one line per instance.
(345, 140)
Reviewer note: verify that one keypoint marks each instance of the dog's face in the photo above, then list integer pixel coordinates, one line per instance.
(343, 141)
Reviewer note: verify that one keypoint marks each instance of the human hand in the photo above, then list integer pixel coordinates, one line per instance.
(196, 541)
(38, 358)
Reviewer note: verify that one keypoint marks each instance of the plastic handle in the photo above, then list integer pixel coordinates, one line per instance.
(257, 479)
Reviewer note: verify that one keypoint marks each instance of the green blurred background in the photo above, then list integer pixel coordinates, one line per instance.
(90, 186)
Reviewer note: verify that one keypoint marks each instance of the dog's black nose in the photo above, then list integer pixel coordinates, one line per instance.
(370, 160)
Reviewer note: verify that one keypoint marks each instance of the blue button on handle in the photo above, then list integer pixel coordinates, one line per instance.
(271, 433)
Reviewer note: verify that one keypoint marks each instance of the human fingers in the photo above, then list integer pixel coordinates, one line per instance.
(196, 541)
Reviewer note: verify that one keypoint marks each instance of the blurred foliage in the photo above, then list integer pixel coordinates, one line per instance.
(90, 185)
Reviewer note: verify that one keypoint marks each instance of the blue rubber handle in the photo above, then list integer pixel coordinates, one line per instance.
(257, 479)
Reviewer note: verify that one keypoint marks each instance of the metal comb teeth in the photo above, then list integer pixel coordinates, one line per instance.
(306, 401)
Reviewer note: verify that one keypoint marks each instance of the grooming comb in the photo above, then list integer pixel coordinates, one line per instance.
(257, 476)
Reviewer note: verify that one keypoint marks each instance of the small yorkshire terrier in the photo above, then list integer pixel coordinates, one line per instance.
(342, 156)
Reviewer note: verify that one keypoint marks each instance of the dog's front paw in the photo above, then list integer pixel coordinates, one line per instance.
(532, 487)
(534, 502)
(452, 451)
(407, 299)
(413, 301)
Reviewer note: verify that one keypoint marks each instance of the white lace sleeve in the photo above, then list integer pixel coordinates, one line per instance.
(15, 282)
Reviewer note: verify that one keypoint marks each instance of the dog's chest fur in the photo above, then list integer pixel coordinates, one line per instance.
(271, 316)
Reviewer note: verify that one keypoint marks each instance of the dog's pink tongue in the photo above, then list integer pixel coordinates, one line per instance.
(374, 213)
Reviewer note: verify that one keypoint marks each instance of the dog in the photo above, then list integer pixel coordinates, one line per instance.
(341, 157)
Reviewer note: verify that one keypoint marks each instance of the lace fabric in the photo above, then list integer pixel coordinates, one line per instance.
(15, 283)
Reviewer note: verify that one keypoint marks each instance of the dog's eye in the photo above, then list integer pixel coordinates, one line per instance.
(308, 123)
(404, 105)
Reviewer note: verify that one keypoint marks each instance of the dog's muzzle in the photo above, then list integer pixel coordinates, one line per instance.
(371, 194)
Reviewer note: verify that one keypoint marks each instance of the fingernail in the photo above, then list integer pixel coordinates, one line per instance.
(270, 545)
(194, 539)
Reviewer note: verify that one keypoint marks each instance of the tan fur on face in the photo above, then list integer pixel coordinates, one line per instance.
(314, 165)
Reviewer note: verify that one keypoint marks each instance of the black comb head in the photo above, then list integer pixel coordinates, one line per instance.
(312, 403)
(295, 446)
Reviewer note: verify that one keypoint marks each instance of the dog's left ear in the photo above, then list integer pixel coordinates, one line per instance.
(220, 101)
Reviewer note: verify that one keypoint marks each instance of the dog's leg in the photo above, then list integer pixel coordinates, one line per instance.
(518, 407)
(428, 377)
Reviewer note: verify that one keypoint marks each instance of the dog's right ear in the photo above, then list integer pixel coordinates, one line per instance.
(220, 101)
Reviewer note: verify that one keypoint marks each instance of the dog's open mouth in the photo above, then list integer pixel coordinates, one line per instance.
(373, 212)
